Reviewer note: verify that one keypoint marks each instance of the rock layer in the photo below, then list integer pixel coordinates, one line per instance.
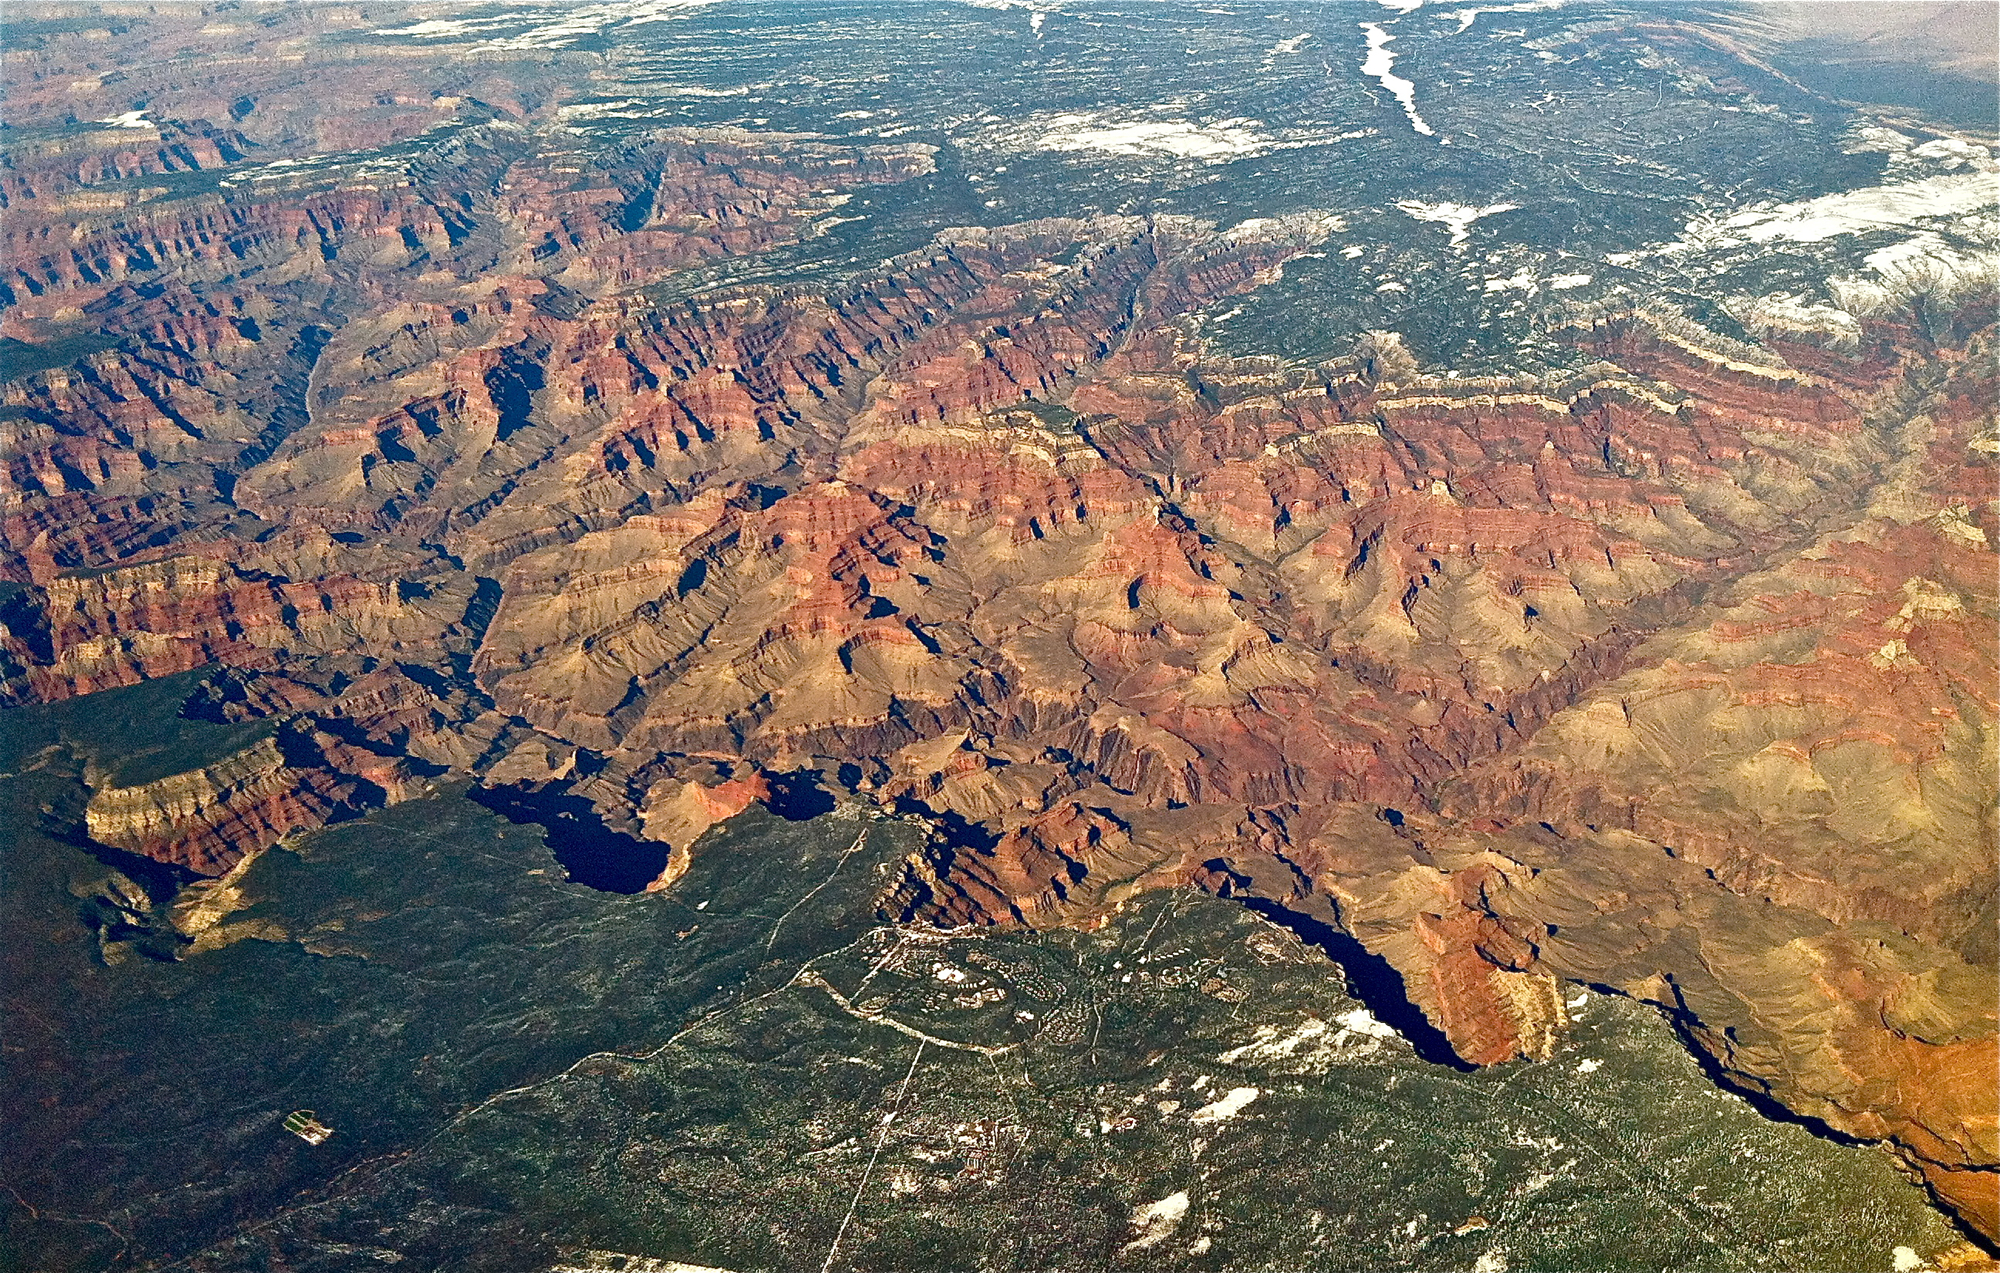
(1666, 669)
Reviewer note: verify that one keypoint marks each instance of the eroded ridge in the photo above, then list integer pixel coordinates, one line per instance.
(1664, 666)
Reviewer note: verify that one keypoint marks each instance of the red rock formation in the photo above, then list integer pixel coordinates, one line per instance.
(1671, 674)
(208, 819)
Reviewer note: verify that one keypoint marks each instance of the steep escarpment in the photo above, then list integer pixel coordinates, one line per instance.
(1104, 662)
(1663, 664)
(207, 819)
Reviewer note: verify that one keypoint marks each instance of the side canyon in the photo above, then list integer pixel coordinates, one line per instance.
(1660, 663)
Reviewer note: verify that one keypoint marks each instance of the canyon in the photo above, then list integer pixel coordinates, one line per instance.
(1661, 665)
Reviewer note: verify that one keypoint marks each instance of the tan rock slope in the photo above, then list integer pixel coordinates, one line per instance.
(1671, 670)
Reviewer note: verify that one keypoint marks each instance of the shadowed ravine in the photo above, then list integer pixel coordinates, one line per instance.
(1127, 633)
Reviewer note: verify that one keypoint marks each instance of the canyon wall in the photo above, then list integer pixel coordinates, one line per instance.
(1666, 667)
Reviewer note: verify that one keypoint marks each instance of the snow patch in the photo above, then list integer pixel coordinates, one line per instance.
(1789, 313)
(1851, 211)
(1914, 253)
(1154, 133)
(438, 28)
(127, 119)
(589, 19)
(1878, 139)
(606, 1261)
(1952, 152)
(1313, 1046)
(1232, 1103)
(1457, 216)
(1589, 1065)
(1155, 1222)
(1182, 139)
(1038, 10)
(1466, 17)
(1361, 1021)
(603, 110)
(1521, 280)
(663, 10)
(1925, 262)
(1297, 227)
(1380, 64)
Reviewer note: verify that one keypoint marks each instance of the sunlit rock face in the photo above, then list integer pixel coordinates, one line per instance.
(1522, 602)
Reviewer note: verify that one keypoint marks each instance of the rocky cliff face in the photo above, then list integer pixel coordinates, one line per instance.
(208, 819)
(1666, 667)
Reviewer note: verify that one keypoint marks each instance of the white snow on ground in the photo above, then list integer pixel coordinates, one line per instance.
(1155, 1222)
(820, 229)
(1874, 137)
(1522, 280)
(129, 119)
(1914, 253)
(1909, 158)
(664, 10)
(1945, 150)
(1458, 216)
(1945, 200)
(1466, 17)
(1038, 10)
(1184, 139)
(1298, 226)
(1951, 152)
(603, 110)
(1851, 211)
(1229, 1106)
(1952, 219)
(1362, 1021)
(576, 23)
(1313, 1045)
(1402, 6)
(1380, 64)
(1151, 132)
(1563, 282)
(439, 28)
(1291, 45)
(608, 1261)
(1788, 313)
(1267, 1043)
(1589, 1066)
(1923, 262)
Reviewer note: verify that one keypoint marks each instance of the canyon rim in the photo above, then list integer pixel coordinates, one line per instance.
(1007, 634)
